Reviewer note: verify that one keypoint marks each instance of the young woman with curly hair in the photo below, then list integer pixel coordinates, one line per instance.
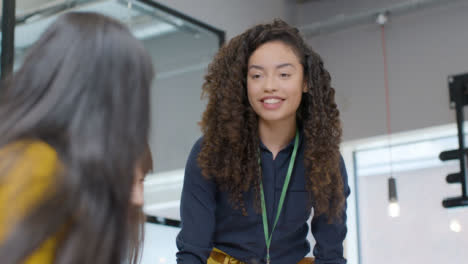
(269, 154)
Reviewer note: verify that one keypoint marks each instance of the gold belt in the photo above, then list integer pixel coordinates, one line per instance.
(219, 257)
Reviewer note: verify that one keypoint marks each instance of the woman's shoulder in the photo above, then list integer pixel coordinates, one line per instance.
(28, 170)
(192, 166)
(196, 148)
(27, 163)
(29, 154)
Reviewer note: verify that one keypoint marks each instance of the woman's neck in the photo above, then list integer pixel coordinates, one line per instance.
(276, 135)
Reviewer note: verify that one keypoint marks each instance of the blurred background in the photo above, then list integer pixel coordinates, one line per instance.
(396, 66)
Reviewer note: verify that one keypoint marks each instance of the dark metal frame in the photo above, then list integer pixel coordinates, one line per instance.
(458, 91)
(8, 37)
(163, 221)
(220, 33)
(356, 197)
(9, 21)
(222, 38)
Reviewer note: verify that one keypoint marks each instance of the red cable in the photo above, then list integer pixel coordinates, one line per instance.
(387, 95)
(387, 99)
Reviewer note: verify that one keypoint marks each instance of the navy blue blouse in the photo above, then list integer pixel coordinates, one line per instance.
(208, 219)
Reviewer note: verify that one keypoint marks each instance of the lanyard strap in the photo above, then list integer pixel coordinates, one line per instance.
(281, 201)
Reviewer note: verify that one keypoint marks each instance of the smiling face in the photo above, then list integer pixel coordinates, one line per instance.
(275, 82)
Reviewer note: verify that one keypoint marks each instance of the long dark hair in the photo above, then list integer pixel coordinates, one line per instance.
(84, 90)
(230, 125)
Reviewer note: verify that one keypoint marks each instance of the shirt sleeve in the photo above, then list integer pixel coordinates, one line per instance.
(329, 237)
(197, 211)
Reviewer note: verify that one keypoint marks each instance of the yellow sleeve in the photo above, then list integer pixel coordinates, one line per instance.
(27, 175)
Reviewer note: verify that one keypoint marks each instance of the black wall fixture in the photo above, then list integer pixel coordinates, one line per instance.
(458, 90)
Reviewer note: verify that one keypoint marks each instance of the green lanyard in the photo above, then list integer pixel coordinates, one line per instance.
(281, 201)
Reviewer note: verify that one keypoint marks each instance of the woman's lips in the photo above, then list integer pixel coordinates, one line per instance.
(272, 103)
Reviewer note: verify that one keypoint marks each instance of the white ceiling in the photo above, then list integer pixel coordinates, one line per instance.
(141, 24)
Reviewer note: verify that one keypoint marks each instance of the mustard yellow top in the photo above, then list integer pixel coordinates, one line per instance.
(27, 171)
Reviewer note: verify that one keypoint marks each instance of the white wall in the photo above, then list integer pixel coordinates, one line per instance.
(423, 48)
(180, 60)
(422, 232)
(420, 193)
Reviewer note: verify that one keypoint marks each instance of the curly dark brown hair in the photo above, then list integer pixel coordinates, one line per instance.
(229, 153)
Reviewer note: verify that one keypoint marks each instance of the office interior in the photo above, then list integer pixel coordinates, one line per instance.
(394, 65)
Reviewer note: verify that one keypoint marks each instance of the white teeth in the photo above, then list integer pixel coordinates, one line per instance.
(271, 101)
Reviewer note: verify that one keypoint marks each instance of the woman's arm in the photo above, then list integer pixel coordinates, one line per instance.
(329, 237)
(197, 211)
